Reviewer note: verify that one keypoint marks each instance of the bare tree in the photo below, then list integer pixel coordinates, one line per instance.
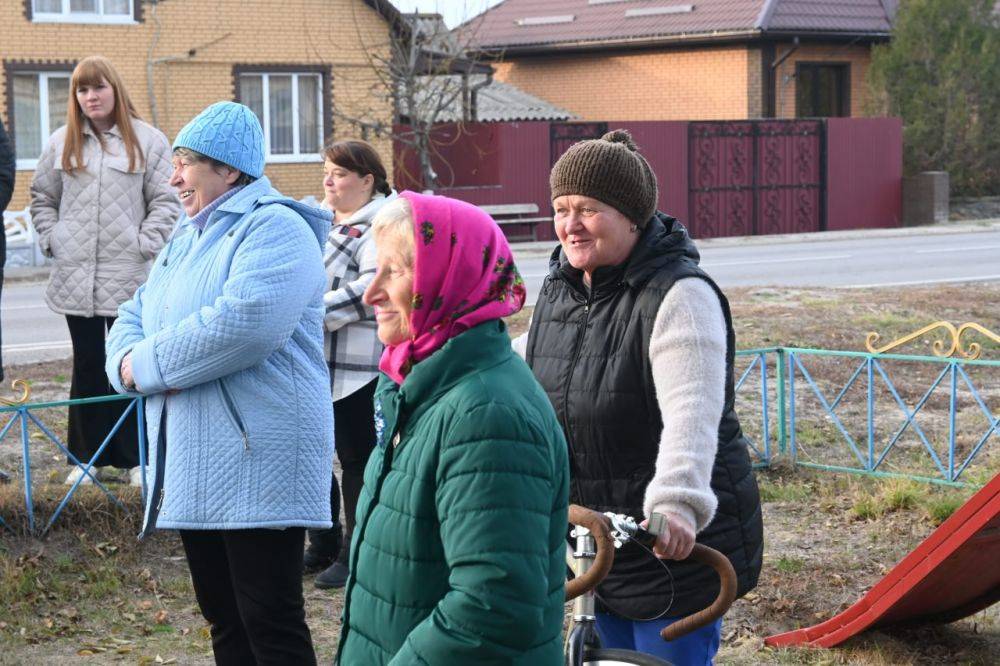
(423, 73)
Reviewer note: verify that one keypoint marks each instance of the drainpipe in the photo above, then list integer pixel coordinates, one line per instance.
(473, 104)
(774, 71)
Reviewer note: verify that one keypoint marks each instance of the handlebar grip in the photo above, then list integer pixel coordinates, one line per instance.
(600, 528)
(644, 537)
(727, 594)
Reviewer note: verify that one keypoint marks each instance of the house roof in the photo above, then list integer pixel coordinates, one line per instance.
(516, 25)
(495, 102)
(388, 11)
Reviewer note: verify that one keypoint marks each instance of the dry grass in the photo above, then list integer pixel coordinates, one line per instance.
(91, 589)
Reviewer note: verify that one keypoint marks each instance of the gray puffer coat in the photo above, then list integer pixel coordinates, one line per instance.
(102, 226)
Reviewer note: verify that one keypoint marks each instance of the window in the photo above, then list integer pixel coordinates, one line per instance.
(40, 100)
(83, 11)
(821, 90)
(290, 109)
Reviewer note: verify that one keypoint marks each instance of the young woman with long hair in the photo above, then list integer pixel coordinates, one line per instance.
(103, 207)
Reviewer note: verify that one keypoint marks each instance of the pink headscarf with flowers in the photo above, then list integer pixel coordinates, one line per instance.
(463, 275)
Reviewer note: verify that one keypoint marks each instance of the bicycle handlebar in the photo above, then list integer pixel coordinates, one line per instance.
(727, 594)
(601, 528)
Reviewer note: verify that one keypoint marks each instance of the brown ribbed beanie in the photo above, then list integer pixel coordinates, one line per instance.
(609, 169)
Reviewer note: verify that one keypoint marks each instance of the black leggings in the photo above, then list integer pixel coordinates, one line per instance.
(354, 438)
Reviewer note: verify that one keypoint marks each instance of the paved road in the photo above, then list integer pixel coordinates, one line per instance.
(871, 262)
(31, 332)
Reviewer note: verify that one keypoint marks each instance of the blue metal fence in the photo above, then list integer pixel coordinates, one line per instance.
(867, 454)
(26, 415)
(776, 382)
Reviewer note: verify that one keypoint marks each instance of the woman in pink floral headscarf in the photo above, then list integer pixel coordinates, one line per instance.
(459, 549)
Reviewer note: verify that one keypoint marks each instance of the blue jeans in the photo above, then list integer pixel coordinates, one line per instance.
(696, 649)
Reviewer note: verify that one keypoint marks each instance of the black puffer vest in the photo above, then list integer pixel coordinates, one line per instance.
(590, 351)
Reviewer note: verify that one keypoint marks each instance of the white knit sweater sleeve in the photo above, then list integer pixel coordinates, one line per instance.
(687, 352)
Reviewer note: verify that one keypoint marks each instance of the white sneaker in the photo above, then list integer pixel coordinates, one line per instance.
(135, 477)
(77, 472)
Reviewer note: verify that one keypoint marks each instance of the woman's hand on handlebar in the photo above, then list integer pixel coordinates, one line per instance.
(677, 539)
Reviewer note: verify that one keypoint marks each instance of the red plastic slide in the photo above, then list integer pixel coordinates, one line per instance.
(953, 573)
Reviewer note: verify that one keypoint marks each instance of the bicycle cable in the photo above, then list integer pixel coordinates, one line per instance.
(666, 610)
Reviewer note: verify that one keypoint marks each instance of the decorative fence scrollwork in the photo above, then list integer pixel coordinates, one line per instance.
(944, 348)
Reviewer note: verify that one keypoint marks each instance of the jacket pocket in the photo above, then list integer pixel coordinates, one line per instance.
(120, 164)
(235, 417)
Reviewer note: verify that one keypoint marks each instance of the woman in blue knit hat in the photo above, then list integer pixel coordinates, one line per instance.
(226, 341)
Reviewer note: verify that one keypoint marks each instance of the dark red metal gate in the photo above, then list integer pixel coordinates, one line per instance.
(564, 135)
(756, 177)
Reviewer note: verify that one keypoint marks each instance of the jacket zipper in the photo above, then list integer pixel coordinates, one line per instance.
(578, 345)
(157, 491)
(360, 530)
(234, 415)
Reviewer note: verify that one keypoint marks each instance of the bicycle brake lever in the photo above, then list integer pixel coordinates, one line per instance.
(655, 526)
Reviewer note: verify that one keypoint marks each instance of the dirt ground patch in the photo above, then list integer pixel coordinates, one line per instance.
(91, 593)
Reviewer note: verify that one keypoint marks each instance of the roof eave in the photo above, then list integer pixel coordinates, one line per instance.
(615, 44)
(675, 40)
(837, 35)
(391, 15)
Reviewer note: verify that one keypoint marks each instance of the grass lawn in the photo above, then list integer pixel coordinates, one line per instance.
(91, 592)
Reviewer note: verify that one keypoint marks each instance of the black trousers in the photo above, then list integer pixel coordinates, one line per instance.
(354, 436)
(249, 586)
(90, 424)
(3, 259)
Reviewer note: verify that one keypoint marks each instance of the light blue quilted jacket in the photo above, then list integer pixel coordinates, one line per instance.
(227, 343)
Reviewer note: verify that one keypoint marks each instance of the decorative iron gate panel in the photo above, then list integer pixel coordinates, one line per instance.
(564, 135)
(752, 177)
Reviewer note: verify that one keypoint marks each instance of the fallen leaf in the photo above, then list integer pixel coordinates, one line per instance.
(162, 617)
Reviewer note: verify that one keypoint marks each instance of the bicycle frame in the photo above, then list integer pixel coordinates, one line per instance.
(583, 631)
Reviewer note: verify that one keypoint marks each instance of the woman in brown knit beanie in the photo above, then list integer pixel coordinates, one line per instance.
(634, 344)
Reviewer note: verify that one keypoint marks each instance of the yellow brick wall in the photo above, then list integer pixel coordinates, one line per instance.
(224, 33)
(694, 84)
(858, 57)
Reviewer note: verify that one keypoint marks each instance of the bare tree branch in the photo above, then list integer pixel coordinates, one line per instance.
(423, 73)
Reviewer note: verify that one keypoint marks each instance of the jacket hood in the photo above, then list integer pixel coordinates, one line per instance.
(261, 193)
(664, 240)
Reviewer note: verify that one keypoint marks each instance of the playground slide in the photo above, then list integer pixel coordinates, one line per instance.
(953, 573)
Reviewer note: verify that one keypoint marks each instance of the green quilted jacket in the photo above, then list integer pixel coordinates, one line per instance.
(459, 550)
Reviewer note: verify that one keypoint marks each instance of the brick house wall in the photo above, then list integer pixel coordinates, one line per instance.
(331, 36)
(708, 83)
(704, 83)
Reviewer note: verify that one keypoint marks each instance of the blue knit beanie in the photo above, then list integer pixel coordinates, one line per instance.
(228, 132)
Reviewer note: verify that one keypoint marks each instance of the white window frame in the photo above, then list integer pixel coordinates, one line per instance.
(43, 108)
(296, 157)
(65, 16)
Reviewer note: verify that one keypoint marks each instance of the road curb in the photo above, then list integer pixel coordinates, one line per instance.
(544, 248)
(23, 274)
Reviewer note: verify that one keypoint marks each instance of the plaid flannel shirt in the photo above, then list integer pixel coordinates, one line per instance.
(351, 345)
